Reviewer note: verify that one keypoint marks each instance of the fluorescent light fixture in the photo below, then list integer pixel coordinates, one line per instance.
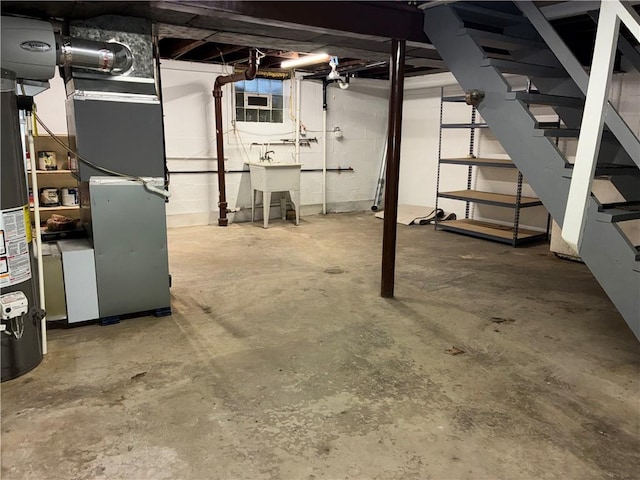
(306, 60)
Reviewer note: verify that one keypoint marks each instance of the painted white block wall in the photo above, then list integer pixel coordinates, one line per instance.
(50, 107)
(419, 162)
(190, 140)
(360, 112)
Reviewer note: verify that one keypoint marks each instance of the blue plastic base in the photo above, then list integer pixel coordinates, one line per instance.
(110, 320)
(162, 312)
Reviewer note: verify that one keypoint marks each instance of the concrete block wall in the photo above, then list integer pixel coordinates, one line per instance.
(50, 107)
(360, 113)
(418, 169)
(625, 96)
(419, 161)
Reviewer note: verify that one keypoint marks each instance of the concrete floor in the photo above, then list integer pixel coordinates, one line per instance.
(281, 361)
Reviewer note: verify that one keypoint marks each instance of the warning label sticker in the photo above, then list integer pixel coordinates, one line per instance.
(15, 265)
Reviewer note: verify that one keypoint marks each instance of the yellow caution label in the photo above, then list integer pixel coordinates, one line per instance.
(27, 223)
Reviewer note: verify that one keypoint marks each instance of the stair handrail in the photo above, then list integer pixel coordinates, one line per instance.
(612, 12)
(598, 109)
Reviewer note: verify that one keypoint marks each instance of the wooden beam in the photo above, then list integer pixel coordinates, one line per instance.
(219, 52)
(182, 47)
(368, 19)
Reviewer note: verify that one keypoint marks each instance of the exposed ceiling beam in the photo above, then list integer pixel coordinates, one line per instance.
(375, 19)
(183, 46)
(221, 52)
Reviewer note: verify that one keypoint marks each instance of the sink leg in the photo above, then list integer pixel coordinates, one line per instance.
(266, 206)
(253, 204)
(295, 199)
(283, 205)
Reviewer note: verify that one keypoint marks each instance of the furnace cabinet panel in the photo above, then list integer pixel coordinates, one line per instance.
(130, 242)
(125, 136)
(78, 262)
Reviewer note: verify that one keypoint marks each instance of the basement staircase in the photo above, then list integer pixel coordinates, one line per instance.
(481, 43)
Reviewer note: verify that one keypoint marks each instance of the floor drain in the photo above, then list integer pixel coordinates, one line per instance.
(334, 270)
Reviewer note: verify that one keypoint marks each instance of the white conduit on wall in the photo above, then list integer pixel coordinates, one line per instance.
(298, 97)
(36, 234)
(324, 161)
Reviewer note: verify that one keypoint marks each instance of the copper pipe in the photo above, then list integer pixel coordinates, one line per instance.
(394, 133)
(248, 74)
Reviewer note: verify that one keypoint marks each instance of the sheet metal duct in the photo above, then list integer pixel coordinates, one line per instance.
(108, 57)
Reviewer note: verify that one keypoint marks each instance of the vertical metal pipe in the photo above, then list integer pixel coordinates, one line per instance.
(248, 74)
(222, 187)
(324, 146)
(396, 75)
(324, 161)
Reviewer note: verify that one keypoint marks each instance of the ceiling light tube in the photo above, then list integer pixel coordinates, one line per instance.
(306, 60)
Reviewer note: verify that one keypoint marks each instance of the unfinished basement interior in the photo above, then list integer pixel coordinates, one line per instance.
(320, 240)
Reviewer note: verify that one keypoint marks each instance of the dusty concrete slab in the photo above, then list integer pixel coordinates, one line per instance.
(281, 361)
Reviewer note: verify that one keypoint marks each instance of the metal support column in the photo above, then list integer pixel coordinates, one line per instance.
(394, 133)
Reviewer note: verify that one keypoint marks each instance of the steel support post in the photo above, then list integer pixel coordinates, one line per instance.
(394, 133)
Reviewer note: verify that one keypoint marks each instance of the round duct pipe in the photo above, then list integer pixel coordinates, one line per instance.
(109, 57)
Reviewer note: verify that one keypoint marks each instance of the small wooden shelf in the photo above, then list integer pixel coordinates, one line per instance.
(61, 207)
(50, 171)
(490, 198)
(480, 162)
(491, 231)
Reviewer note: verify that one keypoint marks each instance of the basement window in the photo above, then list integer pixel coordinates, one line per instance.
(259, 100)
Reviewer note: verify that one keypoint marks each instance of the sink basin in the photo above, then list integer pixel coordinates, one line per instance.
(275, 177)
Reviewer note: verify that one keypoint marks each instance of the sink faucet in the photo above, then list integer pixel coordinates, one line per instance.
(266, 155)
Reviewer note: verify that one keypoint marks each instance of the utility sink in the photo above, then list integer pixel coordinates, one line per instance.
(271, 177)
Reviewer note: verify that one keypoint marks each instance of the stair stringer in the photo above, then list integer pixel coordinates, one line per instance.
(605, 250)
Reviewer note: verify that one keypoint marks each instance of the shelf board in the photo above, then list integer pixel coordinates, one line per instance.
(464, 125)
(491, 231)
(480, 162)
(51, 171)
(490, 198)
(61, 207)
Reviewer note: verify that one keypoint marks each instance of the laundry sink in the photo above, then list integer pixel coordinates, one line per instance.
(271, 177)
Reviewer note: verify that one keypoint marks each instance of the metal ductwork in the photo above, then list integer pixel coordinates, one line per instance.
(108, 57)
(31, 50)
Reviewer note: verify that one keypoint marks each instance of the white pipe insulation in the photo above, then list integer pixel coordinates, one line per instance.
(298, 124)
(324, 161)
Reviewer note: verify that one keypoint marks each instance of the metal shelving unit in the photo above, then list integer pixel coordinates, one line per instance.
(512, 234)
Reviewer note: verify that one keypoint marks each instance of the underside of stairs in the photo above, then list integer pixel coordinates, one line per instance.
(486, 44)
